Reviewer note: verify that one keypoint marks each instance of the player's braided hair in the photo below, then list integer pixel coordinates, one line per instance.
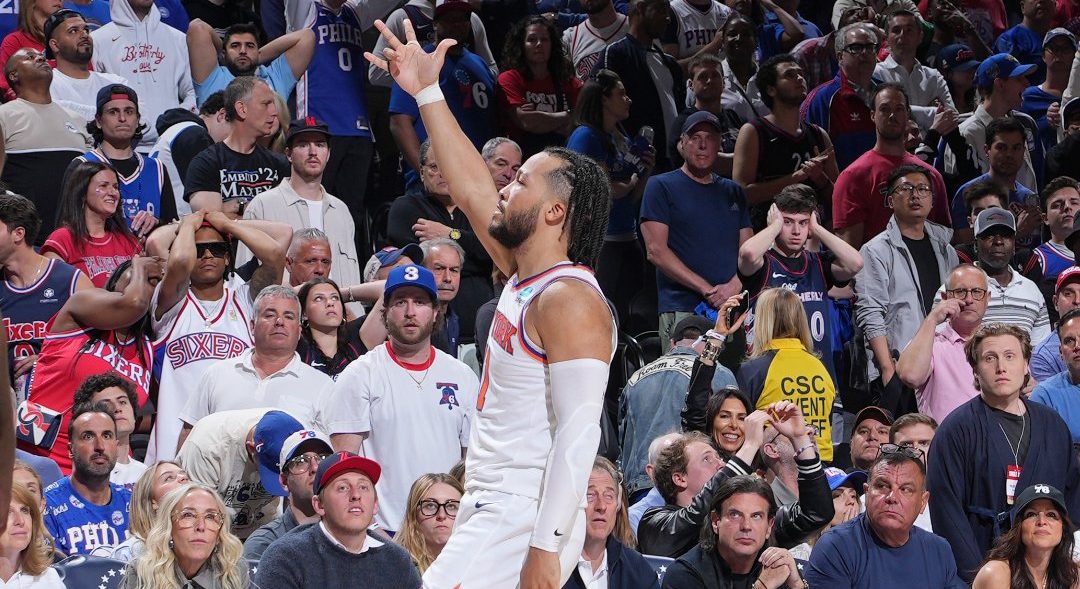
(587, 190)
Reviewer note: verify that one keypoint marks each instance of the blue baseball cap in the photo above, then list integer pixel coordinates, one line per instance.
(411, 275)
(389, 256)
(270, 434)
(838, 478)
(999, 67)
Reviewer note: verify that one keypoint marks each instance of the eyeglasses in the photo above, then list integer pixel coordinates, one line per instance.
(430, 507)
(977, 294)
(904, 450)
(188, 519)
(304, 463)
(857, 48)
(218, 249)
(910, 190)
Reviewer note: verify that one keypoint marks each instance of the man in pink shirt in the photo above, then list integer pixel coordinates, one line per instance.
(933, 363)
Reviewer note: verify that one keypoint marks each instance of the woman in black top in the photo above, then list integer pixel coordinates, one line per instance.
(327, 341)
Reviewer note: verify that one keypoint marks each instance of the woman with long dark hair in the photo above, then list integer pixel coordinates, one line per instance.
(602, 106)
(1037, 551)
(92, 234)
(328, 342)
(538, 88)
(96, 331)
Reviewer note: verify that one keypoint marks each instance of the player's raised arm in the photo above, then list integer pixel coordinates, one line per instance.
(461, 165)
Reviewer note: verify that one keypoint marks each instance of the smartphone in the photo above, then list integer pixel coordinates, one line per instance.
(735, 312)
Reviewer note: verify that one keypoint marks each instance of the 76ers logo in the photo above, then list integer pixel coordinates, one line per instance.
(449, 394)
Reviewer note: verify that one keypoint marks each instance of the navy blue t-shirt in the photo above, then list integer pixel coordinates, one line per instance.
(1036, 102)
(1026, 46)
(851, 556)
(703, 222)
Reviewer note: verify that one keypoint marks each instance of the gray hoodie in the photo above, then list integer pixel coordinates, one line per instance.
(152, 56)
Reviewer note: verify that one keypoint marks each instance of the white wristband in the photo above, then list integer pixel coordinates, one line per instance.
(428, 95)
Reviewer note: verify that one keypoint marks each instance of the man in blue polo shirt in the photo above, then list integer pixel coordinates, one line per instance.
(693, 222)
(1061, 392)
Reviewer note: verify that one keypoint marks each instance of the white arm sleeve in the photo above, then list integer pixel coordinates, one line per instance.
(577, 399)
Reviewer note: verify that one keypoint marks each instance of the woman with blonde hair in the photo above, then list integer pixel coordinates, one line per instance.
(25, 475)
(25, 550)
(149, 491)
(784, 367)
(433, 505)
(609, 539)
(190, 544)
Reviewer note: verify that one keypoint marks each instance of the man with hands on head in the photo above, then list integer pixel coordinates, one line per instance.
(672, 530)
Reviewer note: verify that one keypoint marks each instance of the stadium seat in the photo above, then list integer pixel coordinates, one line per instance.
(91, 572)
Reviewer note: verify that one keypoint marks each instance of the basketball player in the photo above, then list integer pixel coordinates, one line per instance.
(536, 429)
(200, 314)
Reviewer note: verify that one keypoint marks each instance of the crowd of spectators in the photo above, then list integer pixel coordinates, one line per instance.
(246, 320)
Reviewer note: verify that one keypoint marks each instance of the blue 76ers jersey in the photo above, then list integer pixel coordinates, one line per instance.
(332, 90)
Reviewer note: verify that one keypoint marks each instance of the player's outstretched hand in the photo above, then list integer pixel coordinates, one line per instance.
(541, 570)
(411, 67)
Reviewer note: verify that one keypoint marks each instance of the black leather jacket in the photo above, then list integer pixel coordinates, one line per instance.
(671, 531)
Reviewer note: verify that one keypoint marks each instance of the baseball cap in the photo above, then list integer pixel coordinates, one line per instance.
(270, 434)
(838, 478)
(115, 92)
(410, 275)
(1034, 493)
(54, 20)
(1059, 32)
(1070, 274)
(701, 116)
(444, 6)
(873, 412)
(957, 58)
(340, 462)
(692, 322)
(994, 217)
(999, 67)
(390, 255)
(306, 125)
(292, 445)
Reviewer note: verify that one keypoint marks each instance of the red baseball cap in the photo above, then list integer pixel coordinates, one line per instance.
(341, 462)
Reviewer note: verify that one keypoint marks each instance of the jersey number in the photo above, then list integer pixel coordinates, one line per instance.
(817, 326)
(7, 7)
(479, 94)
(344, 59)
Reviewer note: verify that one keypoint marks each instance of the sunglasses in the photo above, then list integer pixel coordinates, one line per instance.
(218, 249)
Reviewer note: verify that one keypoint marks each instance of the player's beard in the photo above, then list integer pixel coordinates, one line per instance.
(512, 230)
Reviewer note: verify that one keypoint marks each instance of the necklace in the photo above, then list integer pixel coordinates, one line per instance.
(1019, 441)
(419, 383)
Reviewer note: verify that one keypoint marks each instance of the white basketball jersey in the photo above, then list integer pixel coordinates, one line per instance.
(585, 42)
(192, 340)
(696, 28)
(513, 426)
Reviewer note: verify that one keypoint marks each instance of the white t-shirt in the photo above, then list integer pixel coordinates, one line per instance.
(78, 96)
(315, 213)
(50, 579)
(417, 416)
(127, 474)
(233, 384)
(215, 454)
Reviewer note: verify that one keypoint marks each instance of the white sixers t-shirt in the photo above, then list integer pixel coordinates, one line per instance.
(417, 418)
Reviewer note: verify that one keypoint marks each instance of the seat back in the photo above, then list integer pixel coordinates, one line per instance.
(659, 564)
(84, 572)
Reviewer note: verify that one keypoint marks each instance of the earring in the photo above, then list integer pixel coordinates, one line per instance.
(172, 545)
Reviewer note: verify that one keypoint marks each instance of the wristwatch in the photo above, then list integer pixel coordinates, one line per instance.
(455, 234)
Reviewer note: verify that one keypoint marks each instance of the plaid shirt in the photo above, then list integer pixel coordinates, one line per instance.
(817, 59)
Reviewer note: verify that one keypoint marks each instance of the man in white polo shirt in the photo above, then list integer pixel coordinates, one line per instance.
(406, 404)
(268, 375)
